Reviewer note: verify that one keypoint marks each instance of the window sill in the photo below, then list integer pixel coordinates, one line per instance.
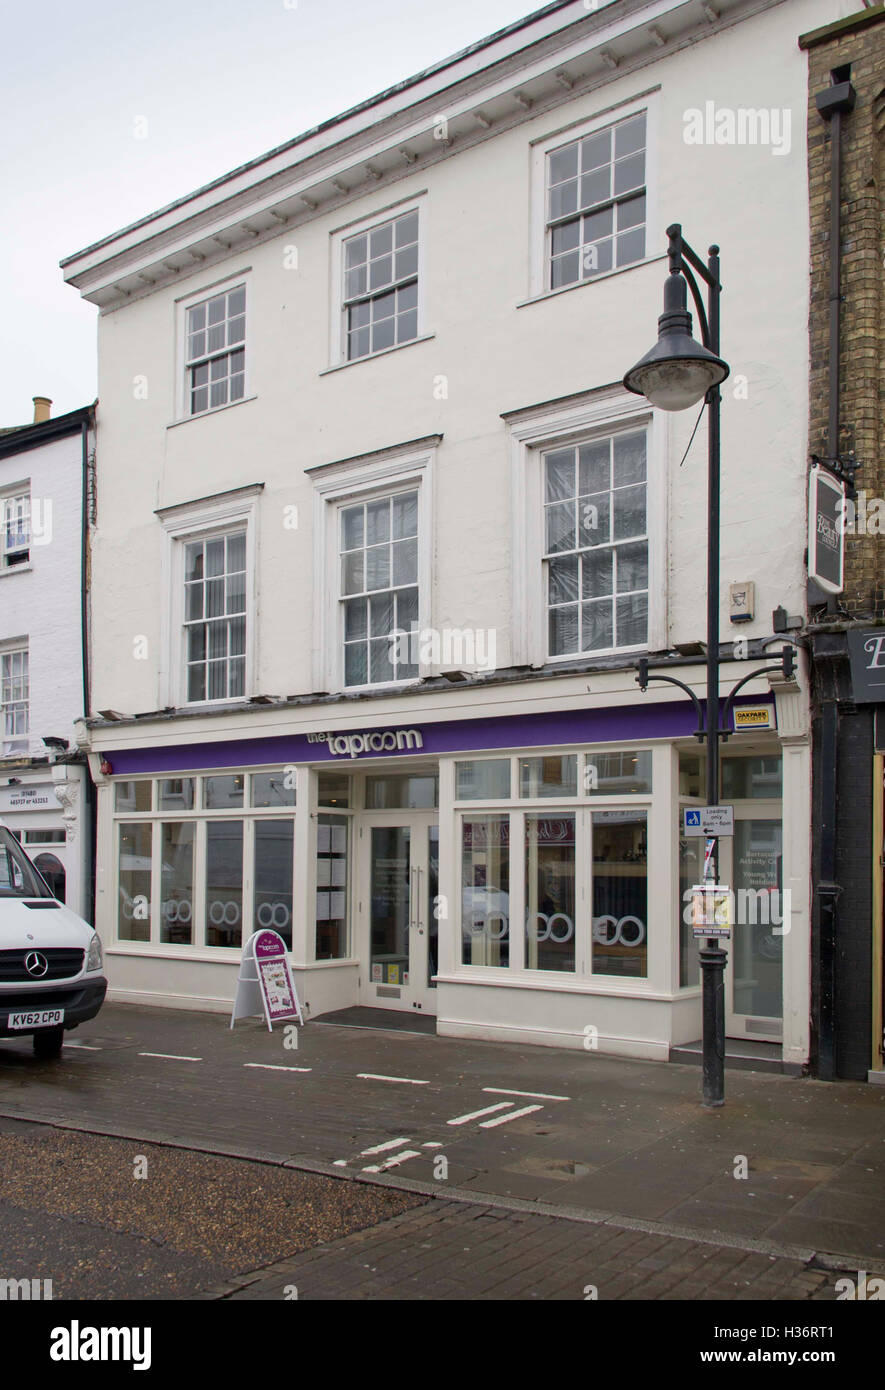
(497, 977)
(582, 284)
(373, 356)
(15, 569)
(204, 414)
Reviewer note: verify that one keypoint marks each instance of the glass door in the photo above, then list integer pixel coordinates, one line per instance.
(398, 925)
(752, 865)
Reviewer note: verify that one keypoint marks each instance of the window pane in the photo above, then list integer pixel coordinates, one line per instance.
(378, 521)
(565, 270)
(560, 527)
(484, 779)
(356, 663)
(563, 164)
(564, 627)
(631, 246)
(597, 628)
(355, 619)
(629, 516)
(177, 902)
(630, 137)
(405, 515)
(548, 776)
(333, 789)
(223, 793)
(274, 851)
(560, 475)
(132, 796)
(177, 794)
(595, 187)
(632, 561)
(596, 150)
(629, 173)
(273, 788)
(550, 892)
(402, 792)
(607, 774)
(485, 890)
(563, 580)
(134, 904)
(620, 893)
(224, 881)
(352, 528)
(632, 621)
(597, 574)
(332, 881)
(752, 778)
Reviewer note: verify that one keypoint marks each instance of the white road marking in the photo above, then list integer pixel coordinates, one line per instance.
(170, 1056)
(84, 1047)
(475, 1114)
(339, 1163)
(513, 1115)
(380, 1148)
(530, 1095)
(392, 1162)
(406, 1080)
(270, 1066)
(433, 1144)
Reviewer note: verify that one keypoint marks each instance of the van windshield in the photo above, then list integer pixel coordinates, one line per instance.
(18, 877)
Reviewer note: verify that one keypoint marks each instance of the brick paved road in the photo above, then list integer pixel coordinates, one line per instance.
(446, 1250)
(616, 1138)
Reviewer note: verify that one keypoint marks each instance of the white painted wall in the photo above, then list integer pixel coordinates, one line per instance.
(41, 602)
(497, 357)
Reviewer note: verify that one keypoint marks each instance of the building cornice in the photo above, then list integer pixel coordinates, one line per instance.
(561, 52)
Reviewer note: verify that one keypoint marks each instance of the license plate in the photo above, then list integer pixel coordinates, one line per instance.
(42, 1018)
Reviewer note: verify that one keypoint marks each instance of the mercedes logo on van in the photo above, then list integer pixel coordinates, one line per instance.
(36, 964)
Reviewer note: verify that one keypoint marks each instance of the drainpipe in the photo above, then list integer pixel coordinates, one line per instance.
(833, 103)
(89, 793)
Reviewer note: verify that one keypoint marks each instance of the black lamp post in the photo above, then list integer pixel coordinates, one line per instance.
(675, 375)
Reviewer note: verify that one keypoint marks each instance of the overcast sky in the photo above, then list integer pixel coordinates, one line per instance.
(218, 82)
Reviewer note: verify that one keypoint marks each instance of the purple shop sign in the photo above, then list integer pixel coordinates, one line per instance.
(616, 724)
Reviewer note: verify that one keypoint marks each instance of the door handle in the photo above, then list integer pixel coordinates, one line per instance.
(417, 872)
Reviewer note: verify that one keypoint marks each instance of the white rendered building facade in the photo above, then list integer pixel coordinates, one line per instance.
(382, 538)
(45, 787)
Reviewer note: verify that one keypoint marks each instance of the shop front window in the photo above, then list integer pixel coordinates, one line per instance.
(620, 893)
(177, 905)
(550, 892)
(485, 890)
(274, 859)
(224, 883)
(134, 905)
(331, 899)
(542, 777)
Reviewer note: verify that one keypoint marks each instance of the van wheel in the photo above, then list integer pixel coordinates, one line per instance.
(48, 1043)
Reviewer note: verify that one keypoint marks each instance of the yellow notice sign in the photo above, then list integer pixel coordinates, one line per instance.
(754, 717)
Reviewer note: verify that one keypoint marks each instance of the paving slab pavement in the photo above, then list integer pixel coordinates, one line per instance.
(789, 1161)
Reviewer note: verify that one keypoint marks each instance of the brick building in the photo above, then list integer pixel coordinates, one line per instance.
(846, 120)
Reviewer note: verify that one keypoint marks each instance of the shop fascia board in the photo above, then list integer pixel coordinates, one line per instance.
(135, 262)
(457, 705)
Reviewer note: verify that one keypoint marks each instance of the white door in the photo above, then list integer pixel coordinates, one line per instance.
(396, 909)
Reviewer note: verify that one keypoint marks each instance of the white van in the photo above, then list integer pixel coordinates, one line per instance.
(51, 967)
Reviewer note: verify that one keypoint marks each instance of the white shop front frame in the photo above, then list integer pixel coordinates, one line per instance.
(641, 1014)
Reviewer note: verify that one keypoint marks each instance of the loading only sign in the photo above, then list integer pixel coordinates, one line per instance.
(709, 821)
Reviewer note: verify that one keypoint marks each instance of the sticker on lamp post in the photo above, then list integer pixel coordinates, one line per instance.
(711, 913)
(265, 985)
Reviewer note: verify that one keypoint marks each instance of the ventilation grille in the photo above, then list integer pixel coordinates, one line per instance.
(384, 992)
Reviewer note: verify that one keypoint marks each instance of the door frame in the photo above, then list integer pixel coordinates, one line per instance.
(417, 995)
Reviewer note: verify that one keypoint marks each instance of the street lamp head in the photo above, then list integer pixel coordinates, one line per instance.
(677, 372)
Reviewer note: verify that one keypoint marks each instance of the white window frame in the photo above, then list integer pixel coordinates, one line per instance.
(356, 482)
(338, 321)
(212, 517)
(566, 135)
(613, 410)
(182, 387)
(17, 492)
(21, 745)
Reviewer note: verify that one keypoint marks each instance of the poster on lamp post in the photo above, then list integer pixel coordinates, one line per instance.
(265, 983)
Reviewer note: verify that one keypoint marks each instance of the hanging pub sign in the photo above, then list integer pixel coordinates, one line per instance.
(265, 984)
(826, 529)
(866, 652)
